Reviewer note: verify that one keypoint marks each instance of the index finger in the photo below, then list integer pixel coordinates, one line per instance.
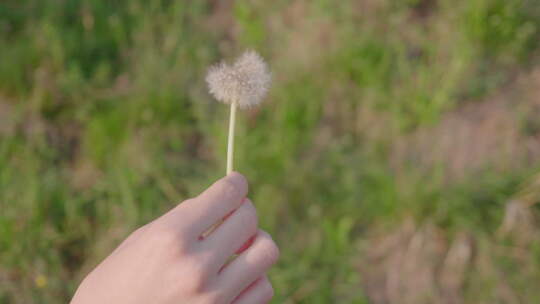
(215, 203)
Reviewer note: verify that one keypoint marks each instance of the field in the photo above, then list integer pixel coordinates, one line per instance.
(396, 159)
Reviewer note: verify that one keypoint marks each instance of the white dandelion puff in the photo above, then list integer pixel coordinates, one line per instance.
(242, 84)
(246, 82)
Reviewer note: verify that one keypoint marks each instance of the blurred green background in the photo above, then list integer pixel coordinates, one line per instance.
(395, 160)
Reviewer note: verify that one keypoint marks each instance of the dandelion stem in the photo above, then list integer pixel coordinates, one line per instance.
(230, 145)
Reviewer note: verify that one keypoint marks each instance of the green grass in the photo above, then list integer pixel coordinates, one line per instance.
(105, 123)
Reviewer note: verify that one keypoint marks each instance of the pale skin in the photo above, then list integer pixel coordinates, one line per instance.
(174, 260)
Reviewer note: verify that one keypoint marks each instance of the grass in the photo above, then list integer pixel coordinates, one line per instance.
(105, 123)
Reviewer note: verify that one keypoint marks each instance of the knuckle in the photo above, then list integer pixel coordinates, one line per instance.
(204, 264)
(267, 290)
(215, 298)
(197, 283)
(269, 251)
(166, 237)
(197, 278)
(249, 217)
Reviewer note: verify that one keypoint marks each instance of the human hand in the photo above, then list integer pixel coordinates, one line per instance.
(172, 260)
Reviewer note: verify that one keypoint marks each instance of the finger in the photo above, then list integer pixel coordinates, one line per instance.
(246, 245)
(260, 292)
(249, 265)
(234, 232)
(216, 202)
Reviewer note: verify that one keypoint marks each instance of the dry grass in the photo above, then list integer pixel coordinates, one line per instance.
(484, 134)
(420, 263)
(416, 265)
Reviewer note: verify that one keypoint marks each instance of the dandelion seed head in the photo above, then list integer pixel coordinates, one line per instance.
(246, 82)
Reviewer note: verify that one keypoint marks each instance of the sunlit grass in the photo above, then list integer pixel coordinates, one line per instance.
(110, 125)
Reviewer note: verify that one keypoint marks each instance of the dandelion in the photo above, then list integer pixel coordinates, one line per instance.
(241, 85)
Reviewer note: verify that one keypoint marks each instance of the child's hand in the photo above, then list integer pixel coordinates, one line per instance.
(169, 261)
